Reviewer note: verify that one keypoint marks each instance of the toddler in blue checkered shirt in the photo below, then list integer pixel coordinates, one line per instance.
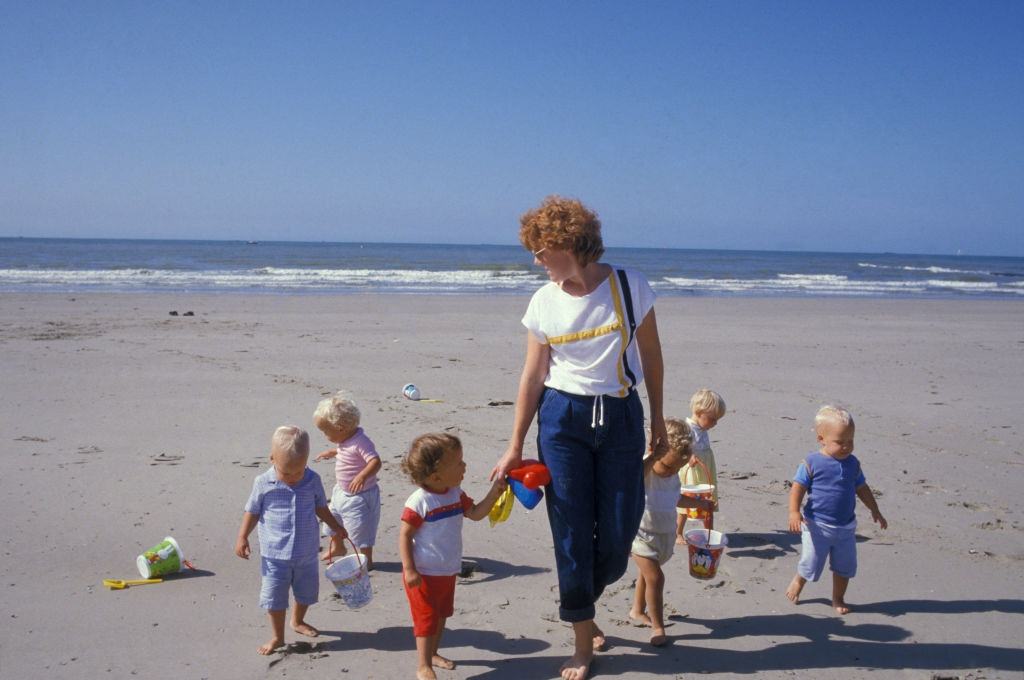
(285, 503)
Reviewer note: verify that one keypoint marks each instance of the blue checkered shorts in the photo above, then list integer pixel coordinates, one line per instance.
(303, 578)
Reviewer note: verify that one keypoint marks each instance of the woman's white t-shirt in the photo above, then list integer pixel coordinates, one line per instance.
(587, 335)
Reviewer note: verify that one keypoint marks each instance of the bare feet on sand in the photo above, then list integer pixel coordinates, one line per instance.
(442, 662)
(303, 628)
(639, 618)
(795, 586)
(576, 668)
(269, 648)
(841, 607)
(425, 673)
(600, 643)
(658, 637)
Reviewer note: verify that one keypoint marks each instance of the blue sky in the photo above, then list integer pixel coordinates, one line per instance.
(863, 126)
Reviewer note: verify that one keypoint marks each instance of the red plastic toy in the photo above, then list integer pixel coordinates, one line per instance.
(532, 474)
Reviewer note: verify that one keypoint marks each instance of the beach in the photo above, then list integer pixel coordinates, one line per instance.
(123, 424)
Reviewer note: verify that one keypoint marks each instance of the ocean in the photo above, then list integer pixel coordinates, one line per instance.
(78, 265)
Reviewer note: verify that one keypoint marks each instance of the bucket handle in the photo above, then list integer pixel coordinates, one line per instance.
(707, 473)
(359, 555)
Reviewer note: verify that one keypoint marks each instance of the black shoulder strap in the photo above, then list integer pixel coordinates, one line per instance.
(627, 298)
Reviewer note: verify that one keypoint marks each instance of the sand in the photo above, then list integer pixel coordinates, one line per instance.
(122, 424)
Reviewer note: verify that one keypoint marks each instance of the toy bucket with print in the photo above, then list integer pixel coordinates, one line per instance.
(705, 491)
(351, 579)
(705, 551)
(162, 559)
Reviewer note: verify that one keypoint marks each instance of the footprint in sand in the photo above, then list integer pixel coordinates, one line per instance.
(166, 459)
(255, 463)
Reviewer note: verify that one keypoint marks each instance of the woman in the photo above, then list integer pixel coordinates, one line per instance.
(591, 339)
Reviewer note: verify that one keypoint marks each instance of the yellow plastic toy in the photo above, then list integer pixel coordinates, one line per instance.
(119, 584)
(502, 507)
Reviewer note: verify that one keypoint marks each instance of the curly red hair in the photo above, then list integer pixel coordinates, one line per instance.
(563, 223)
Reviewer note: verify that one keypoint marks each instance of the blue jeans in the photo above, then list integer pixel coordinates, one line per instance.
(596, 496)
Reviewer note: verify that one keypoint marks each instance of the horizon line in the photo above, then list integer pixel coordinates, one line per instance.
(959, 252)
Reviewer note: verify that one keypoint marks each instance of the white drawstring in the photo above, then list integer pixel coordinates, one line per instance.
(596, 420)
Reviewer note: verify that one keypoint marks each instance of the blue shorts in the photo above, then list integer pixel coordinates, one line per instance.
(303, 578)
(837, 545)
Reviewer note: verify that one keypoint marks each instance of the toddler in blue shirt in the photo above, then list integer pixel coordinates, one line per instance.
(285, 503)
(832, 481)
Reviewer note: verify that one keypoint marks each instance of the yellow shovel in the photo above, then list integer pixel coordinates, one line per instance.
(118, 584)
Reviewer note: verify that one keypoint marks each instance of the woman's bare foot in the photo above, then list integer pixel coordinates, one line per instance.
(303, 628)
(442, 662)
(600, 643)
(795, 586)
(425, 673)
(576, 668)
(841, 607)
(269, 648)
(680, 540)
(658, 637)
(640, 618)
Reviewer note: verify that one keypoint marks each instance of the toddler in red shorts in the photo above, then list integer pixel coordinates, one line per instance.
(430, 539)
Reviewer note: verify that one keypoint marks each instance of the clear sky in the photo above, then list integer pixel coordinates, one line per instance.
(864, 126)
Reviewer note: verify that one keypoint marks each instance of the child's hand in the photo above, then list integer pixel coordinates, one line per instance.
(877, 517)
(329, 453)
(500, 484)
(795, 522)
(412, 577)
(242, 547)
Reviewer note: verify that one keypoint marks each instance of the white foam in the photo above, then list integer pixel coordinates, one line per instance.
(832, 284)
(272, 277)
(934, 269)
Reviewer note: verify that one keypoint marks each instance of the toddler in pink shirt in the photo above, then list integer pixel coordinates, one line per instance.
(355, 500)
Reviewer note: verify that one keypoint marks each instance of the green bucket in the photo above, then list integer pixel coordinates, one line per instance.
(162, 559)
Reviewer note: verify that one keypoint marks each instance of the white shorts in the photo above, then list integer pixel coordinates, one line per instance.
(820, 543)
(654, 546)
(359, 513)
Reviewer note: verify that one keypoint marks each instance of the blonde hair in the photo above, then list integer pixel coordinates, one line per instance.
(563, 223)
(680, 438)
(292, 441)
(425, 455)
(339, 411)
(829, 413)
(707, 401)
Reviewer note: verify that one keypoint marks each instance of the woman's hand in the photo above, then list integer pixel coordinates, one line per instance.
(512, 458)
(659, 437)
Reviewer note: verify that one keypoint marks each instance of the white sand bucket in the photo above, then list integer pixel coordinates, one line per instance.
(162, 559)
(351, 579)
(705, 549)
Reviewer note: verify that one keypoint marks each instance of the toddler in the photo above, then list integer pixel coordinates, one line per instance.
(355, 499)
(832, 480)
(653, 544)
(285, 502)
(706, 407)
(430, 539)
